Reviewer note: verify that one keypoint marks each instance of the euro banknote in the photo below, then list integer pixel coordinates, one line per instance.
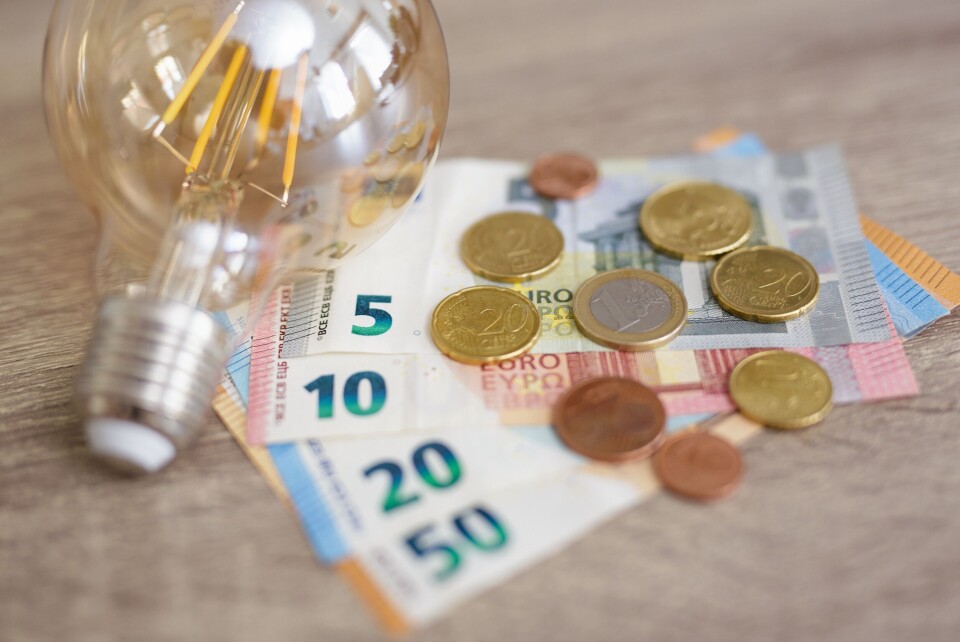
(381, 302)
(910, 304)
(418, 523)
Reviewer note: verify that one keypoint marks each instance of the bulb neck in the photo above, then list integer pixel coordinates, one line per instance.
(145, 387)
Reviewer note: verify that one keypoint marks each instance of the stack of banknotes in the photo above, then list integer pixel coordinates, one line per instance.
(423, 481)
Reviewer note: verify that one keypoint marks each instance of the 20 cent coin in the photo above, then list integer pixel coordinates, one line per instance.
(512, 247)
(696, 220)
(765, 284)
(485, 324)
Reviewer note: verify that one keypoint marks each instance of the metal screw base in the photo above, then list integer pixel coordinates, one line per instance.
(156, 364)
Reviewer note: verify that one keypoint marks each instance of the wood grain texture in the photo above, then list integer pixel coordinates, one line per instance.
(847, 531)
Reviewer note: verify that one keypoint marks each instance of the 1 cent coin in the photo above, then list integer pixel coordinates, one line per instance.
(485, 324)
(698, 466)
(563, 175)
(610, 419)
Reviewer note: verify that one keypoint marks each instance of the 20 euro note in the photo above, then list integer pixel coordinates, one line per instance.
(419, 523)
(381, 302)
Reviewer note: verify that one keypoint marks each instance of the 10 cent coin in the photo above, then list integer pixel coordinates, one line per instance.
(766, 284)
(610, 419)
(630, 309)
(512, 247)
(781, 389)
(696, 220)
(485, 324)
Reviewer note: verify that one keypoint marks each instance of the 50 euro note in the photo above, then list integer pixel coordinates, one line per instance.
(418, 523)
(382, 301)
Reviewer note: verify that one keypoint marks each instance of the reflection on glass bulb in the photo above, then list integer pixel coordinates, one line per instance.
(226, 146)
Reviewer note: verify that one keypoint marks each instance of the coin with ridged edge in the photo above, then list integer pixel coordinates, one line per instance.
(765, 284)
(610, 419)
(698, 465)
(485, 324)
(695, 220)
(630, 309)
(512, 247)
(781, 389)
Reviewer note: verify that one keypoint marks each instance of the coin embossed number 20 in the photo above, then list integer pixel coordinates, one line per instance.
(502, 322)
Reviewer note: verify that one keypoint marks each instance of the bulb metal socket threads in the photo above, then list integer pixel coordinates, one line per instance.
(145, 387)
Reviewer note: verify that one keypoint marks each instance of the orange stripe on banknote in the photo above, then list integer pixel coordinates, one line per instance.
(390, 619)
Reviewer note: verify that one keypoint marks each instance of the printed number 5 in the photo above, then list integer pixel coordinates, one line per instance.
(381, 318)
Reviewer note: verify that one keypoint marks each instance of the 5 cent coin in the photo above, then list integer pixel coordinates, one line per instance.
(610, 419)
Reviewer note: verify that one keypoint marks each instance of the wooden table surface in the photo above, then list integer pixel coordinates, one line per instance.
(844, 531)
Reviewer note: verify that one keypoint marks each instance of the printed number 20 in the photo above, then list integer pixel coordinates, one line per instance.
(324, 386)
(395, 495)
(382, 321)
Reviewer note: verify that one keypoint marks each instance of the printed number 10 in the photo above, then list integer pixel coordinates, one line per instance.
(324, 387)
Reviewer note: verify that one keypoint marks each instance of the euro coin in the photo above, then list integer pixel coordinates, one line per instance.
(512, 247)
(610, 419)
(630, 309)
(485, 324)
(781, 389)
(564, 175)
(765, 284)
(698, 465)
(696, 221)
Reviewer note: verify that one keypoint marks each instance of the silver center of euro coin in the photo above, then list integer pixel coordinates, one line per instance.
(630, 305)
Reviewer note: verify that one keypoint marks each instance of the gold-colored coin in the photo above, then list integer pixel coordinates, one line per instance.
(485, 324)
(512, 247)
(368, 208)
(781, 389)
(415, 135)
(630, 309)
(765, 284)
(695, 220)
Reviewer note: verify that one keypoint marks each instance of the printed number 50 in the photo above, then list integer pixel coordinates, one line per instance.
(382, 321)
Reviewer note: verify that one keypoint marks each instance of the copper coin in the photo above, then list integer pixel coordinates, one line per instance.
(698, 466)
(610, 419)
(563, 175)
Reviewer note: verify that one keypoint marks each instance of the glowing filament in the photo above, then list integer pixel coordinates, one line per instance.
(292, 137)
(217, 108)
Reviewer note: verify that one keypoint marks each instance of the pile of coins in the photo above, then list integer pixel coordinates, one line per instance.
(613, 419)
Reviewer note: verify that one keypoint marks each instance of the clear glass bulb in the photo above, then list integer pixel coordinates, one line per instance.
(226, 146)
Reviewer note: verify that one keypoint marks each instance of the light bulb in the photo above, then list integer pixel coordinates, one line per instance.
(226, 146)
